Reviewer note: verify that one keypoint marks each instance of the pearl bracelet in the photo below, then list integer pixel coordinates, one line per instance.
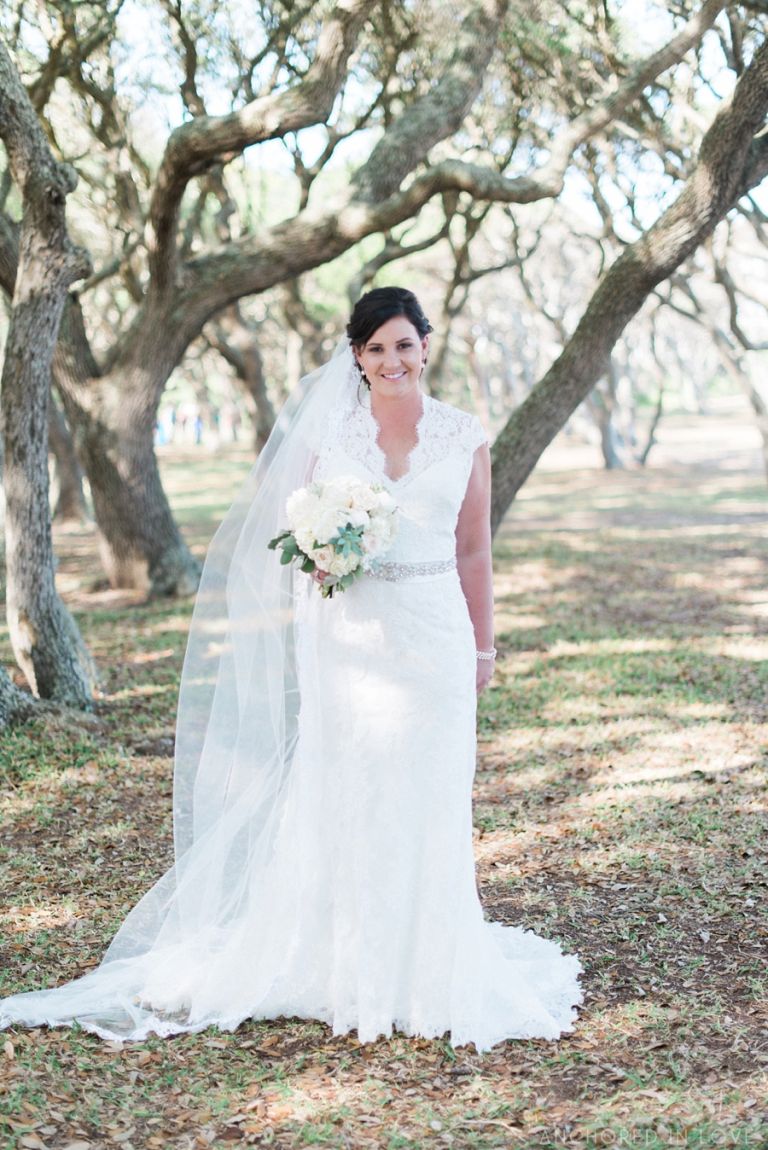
(486, 654)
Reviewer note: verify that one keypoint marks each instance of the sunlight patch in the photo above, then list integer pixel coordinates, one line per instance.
(536, 576)
(519, 622)
(151, 656)
(635, 646)
(29, 919)
(144, 690)
(666, 788)
(753, 650)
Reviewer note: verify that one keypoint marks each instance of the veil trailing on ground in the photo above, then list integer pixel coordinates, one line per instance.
(236, 732)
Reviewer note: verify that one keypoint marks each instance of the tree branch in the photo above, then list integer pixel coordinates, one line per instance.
(44, 184)
(589, 123)
(255, 263)
(393, 249)
(440, 112)
(720, 178)
(726, 281)
(194, 146)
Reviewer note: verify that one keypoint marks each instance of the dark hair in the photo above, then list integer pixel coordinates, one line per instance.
(382, 304)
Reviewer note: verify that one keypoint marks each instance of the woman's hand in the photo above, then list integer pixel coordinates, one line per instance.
(484, 674)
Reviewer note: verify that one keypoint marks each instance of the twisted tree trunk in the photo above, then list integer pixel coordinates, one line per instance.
(45, 638)
(113, 418)
(140, 543)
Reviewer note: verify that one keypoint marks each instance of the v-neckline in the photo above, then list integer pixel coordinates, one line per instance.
(376, 431)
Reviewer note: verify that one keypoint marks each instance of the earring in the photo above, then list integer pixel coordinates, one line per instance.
(361, 376)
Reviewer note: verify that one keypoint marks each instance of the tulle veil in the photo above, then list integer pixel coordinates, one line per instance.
(236, 732)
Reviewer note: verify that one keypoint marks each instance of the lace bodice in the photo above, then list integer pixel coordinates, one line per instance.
(430, 492)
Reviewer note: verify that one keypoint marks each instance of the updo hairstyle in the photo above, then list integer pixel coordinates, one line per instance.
(378, 306)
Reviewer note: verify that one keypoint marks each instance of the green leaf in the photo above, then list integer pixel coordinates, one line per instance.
(273, 543)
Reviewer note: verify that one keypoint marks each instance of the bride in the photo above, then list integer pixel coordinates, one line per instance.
(325, 751)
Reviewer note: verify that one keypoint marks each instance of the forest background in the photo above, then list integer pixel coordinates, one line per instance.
(548, 173)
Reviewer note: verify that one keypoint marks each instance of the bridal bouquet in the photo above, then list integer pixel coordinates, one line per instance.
(339, 527)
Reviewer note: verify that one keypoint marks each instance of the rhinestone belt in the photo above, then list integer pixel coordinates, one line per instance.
(394, 572)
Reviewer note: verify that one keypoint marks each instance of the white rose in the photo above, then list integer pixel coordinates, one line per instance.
(358, 517)
(381, 501)
(327, 525)
(353, 495)
(335, 493)
(343, 564)
(323, 557)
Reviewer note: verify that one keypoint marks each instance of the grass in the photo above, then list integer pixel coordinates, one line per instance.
(620, 807)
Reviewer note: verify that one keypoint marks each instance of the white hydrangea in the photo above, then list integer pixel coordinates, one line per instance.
(302, 507)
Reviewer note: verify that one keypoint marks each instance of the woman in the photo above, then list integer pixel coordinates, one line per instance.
(326, 747)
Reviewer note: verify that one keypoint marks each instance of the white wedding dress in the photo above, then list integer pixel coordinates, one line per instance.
(360, 906)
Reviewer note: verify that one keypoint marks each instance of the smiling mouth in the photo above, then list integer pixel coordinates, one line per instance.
(393, 375)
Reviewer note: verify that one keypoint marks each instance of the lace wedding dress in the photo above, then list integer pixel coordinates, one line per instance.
(359, 906)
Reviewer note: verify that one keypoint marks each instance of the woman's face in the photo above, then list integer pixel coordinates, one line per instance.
(393, 358)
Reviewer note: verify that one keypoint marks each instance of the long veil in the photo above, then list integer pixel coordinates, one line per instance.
(236, 732)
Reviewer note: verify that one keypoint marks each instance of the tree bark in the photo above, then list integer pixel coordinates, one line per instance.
(140, 543)
(15, 705)
(68, 495)
(732, 159)
(45, 639)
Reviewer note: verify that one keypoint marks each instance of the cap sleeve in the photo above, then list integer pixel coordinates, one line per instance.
(476, 433)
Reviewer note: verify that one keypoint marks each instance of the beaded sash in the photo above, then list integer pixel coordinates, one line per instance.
(395, 572)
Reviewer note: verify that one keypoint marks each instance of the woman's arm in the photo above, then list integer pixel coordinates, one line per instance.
(473, 557)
